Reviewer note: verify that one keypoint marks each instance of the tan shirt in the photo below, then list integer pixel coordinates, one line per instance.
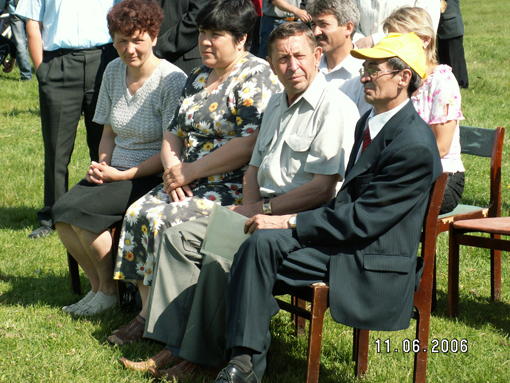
(312, 136)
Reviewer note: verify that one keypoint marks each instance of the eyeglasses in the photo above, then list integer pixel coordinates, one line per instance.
(375, 73)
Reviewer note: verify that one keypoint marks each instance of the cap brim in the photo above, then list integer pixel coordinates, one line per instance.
(371, 53)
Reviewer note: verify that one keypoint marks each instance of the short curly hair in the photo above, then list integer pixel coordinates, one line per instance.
(130, 16)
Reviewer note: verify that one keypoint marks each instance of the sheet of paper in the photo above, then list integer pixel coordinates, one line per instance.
(225, 233)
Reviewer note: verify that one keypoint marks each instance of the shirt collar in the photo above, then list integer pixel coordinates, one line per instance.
(312, 95)
(349, 64)
(377, 122)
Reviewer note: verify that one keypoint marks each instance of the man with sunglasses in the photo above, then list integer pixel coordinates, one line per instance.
(363, 242)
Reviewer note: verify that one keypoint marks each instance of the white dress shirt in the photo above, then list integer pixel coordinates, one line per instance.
(377, 122)
(373, 13)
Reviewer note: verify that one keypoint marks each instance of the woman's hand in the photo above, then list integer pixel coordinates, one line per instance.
(177, 176)
(180, 193)
(100, 173)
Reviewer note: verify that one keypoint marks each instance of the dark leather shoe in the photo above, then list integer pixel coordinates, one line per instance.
(233, 374)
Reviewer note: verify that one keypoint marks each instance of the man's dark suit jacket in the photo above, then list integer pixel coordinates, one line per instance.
(450, 23)
(372, 227)
(178, 36)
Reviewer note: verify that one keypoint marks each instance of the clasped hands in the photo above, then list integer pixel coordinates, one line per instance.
(177, 181)
(100, 173)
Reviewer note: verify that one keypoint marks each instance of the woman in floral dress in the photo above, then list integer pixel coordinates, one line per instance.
(205, 150)
(437, 100)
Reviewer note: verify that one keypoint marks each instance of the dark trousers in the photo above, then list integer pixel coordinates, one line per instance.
(453, 192)
(269, 262)
(451, 53)
(69, 83)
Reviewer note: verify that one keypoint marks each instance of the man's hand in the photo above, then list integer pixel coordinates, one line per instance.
(177, 176)
(248, 210)
(100, 173)
(261, 221)
(303, 15)
(365, 42)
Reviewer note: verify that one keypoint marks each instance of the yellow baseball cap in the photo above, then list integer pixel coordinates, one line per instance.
(407, 47)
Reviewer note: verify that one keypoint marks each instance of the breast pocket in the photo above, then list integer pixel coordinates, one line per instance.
(295, 153)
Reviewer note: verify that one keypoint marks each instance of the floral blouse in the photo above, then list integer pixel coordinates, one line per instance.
(438, 101)
(233, 109)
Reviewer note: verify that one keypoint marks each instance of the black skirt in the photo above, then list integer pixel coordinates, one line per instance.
(95, 207)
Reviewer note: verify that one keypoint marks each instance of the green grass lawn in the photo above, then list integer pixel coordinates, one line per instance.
(39, 343)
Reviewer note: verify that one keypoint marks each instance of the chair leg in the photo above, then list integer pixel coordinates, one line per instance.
(115, 230)
(422, 334)
(319, 307)
(74, 274)
(299, 322)
(361, 358)
(496, 272)
(434, 286)
(453, 276)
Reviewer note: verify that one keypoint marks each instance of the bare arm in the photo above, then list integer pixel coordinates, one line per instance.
(284, 6)
(251, 194)
(444, 136)
(231, 156)
(34, 40)
(171, 149)
(305, 197)
(107, 145)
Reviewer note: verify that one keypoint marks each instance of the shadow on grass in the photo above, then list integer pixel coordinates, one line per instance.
(287, 357)
(18, 218)
(476, 311)
(48, 289)
(16, 112)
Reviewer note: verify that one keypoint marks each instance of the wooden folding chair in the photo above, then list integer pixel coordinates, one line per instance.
(317, 295)
(482, 143)
(458, 230)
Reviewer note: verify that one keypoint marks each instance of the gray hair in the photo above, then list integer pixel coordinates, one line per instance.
(344, 10)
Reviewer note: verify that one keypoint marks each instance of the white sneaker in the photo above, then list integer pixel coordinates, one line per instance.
(80, 304)
(99, 303)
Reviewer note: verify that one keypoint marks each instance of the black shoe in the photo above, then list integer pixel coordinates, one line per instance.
(41, 232)
(233, 374)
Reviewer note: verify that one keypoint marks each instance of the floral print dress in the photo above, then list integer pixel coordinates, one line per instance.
(205, 122)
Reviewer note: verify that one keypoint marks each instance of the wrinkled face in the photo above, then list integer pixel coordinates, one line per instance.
(329, 34)
(134, 50)
(218, 48)
(383, 89)
(295, 63)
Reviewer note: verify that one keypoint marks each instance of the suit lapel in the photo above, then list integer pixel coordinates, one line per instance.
(373, 151)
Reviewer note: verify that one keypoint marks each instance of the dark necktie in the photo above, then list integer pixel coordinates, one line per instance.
(366, 139)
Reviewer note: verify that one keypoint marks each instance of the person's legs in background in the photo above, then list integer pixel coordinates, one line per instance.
(19, 38)
(451, 53)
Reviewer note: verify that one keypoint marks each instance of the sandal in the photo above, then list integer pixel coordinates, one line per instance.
(180, 371)
(162, 359)
(130, 333)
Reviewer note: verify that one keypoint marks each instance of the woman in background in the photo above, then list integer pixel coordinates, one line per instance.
(437, 100)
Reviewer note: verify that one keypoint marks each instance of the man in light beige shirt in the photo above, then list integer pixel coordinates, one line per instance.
(305, 137)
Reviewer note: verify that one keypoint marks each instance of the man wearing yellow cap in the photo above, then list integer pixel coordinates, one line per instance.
(363, 242)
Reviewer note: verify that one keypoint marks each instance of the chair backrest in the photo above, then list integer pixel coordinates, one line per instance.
(486, 143)
(428, 238)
